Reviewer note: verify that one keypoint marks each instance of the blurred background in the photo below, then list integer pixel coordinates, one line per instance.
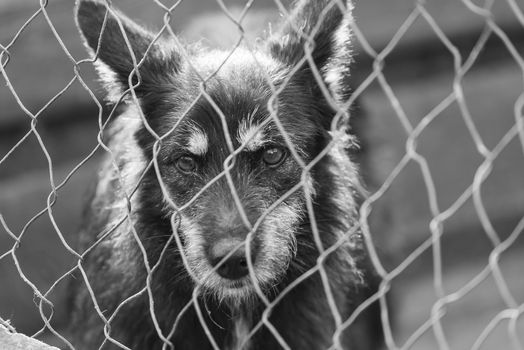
(409, 72)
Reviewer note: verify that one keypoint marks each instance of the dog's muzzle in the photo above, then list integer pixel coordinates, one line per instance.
(228, 258)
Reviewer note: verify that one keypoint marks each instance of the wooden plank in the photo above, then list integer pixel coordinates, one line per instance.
(449, 149)
(41, 255)
(466, 317)
(39, 68)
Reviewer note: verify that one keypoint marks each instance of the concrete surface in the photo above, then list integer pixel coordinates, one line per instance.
(17, 341)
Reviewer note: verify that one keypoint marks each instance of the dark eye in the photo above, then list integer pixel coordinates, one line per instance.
(274, 156)
(186, 164)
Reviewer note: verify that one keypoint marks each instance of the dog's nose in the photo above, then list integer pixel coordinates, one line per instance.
(235, 266)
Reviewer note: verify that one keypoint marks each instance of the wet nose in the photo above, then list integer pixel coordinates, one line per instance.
(235, 266)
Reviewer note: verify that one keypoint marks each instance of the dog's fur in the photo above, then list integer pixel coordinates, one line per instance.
(154, 229)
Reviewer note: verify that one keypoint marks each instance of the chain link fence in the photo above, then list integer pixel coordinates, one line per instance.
(391, 259)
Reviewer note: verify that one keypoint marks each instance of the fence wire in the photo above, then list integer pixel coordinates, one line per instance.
(445, 298)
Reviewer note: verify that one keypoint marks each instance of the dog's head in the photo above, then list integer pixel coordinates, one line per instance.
(232, 134)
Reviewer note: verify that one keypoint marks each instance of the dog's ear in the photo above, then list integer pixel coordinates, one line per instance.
(120, 45)
(322, 26)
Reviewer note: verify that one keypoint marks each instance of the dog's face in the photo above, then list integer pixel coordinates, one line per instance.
(261, 169)
(230, 134)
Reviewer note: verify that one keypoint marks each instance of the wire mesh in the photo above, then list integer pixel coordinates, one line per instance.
(445, 298)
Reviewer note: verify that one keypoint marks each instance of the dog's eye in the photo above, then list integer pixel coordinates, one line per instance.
(274, 156)
(186, 164)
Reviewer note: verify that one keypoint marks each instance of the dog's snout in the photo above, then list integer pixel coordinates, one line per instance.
(229, 258)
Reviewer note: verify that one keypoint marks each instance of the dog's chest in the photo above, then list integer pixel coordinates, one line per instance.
(240, 337)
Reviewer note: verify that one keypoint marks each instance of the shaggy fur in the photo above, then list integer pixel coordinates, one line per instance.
(179, 252)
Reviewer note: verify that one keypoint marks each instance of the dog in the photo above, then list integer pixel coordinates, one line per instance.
(225, 211)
